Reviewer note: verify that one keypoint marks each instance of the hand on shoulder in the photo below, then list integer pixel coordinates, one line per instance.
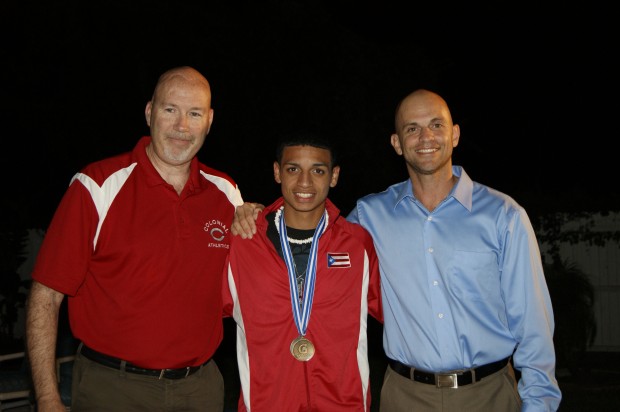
(244, 222)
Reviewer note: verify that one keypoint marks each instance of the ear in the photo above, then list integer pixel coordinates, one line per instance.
(210, 120)
(395, 140)
(456, 134)
(335, 175)
(147, 113)
(276, 172)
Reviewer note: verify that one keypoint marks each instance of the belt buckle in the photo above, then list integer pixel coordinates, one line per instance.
(188, 369)
(446, 380)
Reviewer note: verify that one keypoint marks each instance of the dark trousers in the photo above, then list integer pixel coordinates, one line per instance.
(99, 388)
(496, 392)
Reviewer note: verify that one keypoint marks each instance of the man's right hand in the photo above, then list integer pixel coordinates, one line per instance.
(244, 223)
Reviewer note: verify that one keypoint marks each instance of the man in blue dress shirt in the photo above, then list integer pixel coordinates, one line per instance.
(463, 289)
(462, 280)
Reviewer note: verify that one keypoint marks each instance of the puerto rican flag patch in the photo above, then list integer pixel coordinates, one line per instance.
(338, 260)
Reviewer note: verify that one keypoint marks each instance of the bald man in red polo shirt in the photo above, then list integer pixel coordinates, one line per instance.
(138, 244)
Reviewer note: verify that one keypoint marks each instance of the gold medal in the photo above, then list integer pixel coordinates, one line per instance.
(302, 349)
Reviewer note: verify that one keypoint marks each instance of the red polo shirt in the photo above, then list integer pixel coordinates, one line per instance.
(141, 264)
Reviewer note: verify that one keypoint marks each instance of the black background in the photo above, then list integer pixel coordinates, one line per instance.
(533, 87)
(534, 91)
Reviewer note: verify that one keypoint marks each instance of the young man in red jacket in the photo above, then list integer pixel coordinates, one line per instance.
(300, 292)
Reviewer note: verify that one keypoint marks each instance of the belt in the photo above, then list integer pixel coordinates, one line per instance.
(116, 363)
(452, 379)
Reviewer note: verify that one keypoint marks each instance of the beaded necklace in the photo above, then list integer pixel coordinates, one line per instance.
(294, 241)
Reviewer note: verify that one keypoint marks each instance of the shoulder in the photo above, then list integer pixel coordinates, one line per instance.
(223, 182)
(499, 207)
(379, 205)
(390, 195)
(124, 163)
(485, 195)
(353, 230)
(101, 170)
(215, 175)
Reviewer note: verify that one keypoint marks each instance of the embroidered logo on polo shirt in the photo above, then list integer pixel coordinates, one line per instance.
(338, 260)
(217, 230)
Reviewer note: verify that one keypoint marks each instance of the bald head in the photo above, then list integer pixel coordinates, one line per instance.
(182, 76)
(419, 102)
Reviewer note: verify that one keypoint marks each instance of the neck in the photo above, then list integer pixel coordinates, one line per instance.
(176, 176)
(432, 189)
(303, 220)
(277, 221)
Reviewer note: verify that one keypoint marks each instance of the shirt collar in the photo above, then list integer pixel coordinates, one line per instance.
(462, 190)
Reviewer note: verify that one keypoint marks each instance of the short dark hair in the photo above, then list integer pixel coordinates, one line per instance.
(306, 138)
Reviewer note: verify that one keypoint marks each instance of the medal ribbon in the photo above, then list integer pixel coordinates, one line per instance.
(301, 315)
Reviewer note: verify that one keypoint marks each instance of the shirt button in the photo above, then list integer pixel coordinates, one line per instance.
(429, 218)
(435, 283)
(430, 250)
(440, 316)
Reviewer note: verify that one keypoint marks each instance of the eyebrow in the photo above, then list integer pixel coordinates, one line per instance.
(313, 164)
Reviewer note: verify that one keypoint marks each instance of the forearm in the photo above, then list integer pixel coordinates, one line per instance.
(41, 332)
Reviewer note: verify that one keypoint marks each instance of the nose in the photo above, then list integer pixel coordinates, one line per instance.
(426, 133)
(182, 123)
(304, 179)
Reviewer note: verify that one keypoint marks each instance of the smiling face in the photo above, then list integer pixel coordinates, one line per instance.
(179, 116)
(305, 174)
(425, 134)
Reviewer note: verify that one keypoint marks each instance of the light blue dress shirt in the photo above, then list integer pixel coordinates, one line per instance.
(463, 285)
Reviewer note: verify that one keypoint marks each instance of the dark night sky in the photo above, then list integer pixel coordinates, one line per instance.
(534, 93)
